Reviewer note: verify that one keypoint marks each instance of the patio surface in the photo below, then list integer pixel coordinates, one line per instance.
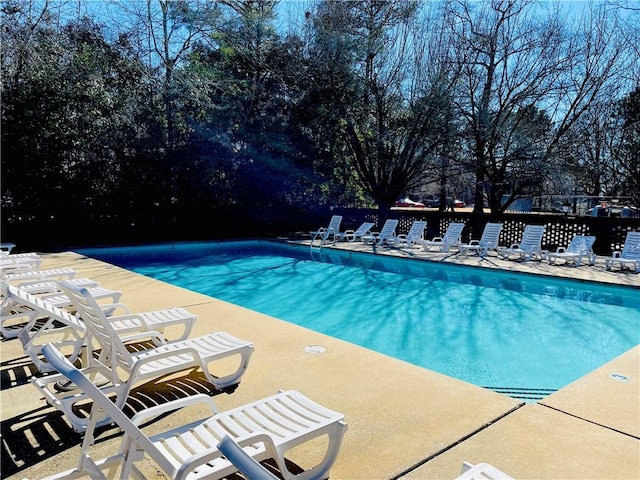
(404, 421)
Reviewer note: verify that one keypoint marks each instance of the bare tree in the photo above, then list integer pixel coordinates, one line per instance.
(527, 77)
(398, 110)
(626, 151)
(590, 148)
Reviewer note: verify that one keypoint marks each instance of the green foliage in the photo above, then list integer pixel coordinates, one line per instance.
(64, 120)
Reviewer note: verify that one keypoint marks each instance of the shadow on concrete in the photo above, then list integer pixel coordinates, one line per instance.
(40, 434)
(16, 372)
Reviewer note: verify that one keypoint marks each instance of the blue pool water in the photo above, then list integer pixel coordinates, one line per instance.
(518, 334)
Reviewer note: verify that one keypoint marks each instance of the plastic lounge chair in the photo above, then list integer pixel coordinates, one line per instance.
(11, 262)
(355, 235)
(580, 247)
(41, 287)
(37, 274)
(68, 332)
(6, 254)
(56, 325)
(530, 245)
(140, 366)
(5, 248)
(50, 292)
(451, 238)
(630, 254)
(330, 232)
(413, 237)
(481, 471)
(488, 241)
(267, 428)
(386, 236)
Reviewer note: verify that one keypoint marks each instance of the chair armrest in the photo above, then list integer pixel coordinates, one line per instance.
(156, 337)
(112, 307)
(59, 335)
(36, 281)
(141, 361)
(45, 292)
(172, 405)
(131, 316)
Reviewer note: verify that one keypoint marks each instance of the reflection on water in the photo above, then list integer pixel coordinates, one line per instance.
(494, 279)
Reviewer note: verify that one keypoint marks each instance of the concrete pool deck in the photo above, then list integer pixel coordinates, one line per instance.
(404, 421)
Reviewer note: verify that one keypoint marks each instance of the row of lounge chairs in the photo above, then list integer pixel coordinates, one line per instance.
(579, 250)
(91, 354)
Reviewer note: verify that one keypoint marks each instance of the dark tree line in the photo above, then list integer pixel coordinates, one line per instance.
(145, 109)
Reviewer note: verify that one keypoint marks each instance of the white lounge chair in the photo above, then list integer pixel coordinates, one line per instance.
(481, 471)
(629, 255)
(5, 248)
(11, 262)
(530, 245)
(54, 324)
(6, 254)
(488, 241)
(41, 287)
(386, 235)
(49, 291)
(413, 237)
(331, 232)
(37, 274)
(267, 428)
(581, 246)
(451, 238)
(9, 329)
(41, 323)
(124, 369)
(357, 234)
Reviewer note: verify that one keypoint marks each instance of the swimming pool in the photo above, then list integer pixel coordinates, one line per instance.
(518, 334)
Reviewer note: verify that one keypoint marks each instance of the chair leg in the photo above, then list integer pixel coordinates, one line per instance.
(234, 377)
(335, 433)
